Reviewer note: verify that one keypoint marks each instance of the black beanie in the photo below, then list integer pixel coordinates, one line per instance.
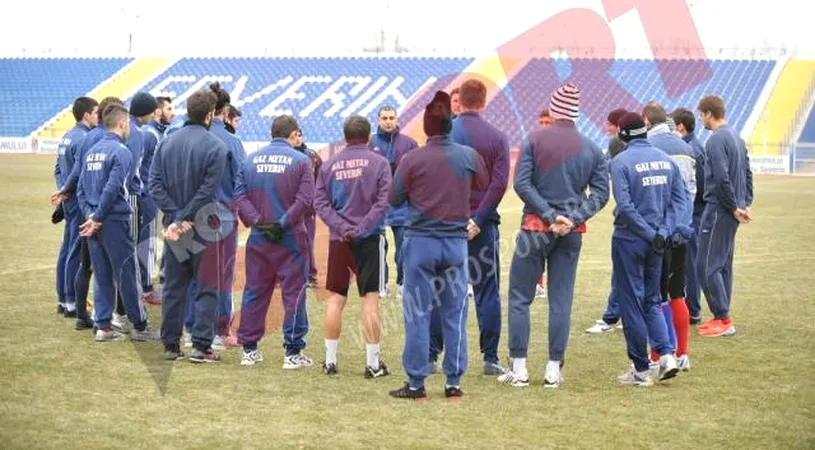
(632, 126)
(143, 104)
(438, 115)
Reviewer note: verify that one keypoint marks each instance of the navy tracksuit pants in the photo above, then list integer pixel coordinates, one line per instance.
(714, 263)
(68, 259)
(398, 239)
(534, 252)
(693, 290)
(199, 258)
(146, 245)
(115, 268)
(311, 229)
(638, 270)
(267, 263)
(436, 276)
(485, 271)
(612, 313)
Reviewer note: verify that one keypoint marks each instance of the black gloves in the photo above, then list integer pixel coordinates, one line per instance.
(273, 231)
(658, 244)
(58, 215)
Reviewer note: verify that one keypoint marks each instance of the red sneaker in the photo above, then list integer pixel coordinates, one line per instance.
(151, 299)
(719, 329)
(708, 324)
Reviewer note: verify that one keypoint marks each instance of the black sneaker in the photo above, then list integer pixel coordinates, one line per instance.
(695, 320)
(381, 372)
(69, 314)
(405, 392)
(83, 324)
(330, 369)
(60, 310)
(208, 356)
(453, 393)
(173, 355)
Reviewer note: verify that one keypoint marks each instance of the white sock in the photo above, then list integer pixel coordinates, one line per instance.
(372, 351)
(331, 350)
(71, 307)
(553, 366)
(519, 365)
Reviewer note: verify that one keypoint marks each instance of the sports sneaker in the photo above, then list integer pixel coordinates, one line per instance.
(199, 356)
(251, 358)
(69, 313)
(683, 362)
(371, 373)
(405, 392)
(120, 323)
(61, 309)
(600, 326)
(331, 369)
(108, 335)
(151, 298)
(493, 369)
(553, 378)
(297, 361)
(695, 320)
(632, 377)
(173, 355)
(667, 367)
(144, 335)
(432, 368)
(718, 329)
(707, 324)
(453, 393)
(513, 379)
(83, 324)
(540, 291)
(218, 343)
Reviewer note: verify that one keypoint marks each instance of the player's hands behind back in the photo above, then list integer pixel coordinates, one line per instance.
(272, 231)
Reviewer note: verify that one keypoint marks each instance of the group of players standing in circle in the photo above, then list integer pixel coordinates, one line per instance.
(678, 206)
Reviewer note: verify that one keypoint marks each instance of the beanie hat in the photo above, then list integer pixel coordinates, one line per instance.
(565, 103)
(438, 115)
(632, 126)
(143, 104)
(614, 116)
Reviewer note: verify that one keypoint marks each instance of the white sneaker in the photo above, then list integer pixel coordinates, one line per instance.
(683, 362)
(109, 336)
(218, 343)
(552, 378)
(120, 323)
(297, 361)
(632, 377)
(540, 291)
(251, 358)
(667, 367)
(513, 379)
(600, 326)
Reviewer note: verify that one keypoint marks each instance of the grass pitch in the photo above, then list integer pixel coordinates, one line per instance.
(59, 389)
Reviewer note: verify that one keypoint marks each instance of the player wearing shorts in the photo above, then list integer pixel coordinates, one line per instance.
(352, 199)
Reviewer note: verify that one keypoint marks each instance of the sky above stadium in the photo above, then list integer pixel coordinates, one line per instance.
(324, 27)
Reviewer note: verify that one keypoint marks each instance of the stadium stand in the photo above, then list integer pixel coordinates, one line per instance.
(322, 91)
(38, 89)
(778, 116)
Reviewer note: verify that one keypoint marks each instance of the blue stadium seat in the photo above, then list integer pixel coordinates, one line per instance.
(35, 89)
